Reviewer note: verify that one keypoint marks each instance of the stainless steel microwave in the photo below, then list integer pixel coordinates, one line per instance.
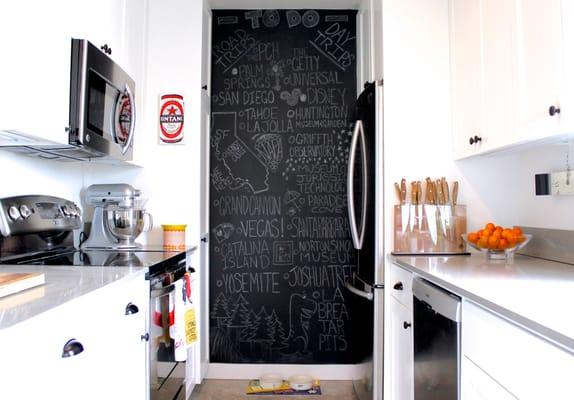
(102, 113)
(102, 106)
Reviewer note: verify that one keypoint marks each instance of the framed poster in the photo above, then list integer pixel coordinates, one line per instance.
(171, 119)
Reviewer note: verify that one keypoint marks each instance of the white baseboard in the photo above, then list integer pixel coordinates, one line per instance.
(253, 371)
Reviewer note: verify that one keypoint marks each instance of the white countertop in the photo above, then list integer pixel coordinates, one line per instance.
(63, 283)
(533, 293)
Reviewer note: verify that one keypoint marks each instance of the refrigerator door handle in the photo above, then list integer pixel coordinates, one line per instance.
(365, 188)
(359, 292)
(357, 135)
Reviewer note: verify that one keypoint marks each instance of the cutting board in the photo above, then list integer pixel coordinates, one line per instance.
(14, 282)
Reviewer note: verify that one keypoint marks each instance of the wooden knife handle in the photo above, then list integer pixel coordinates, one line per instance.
(439, 194)
(398, 191)
(419, 192)
(454, 193)
(430, 195)
(445, 190)
(403, 191)
(413, 192)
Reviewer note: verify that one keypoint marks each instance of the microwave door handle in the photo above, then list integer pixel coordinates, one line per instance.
(133, 120)
(350, 186)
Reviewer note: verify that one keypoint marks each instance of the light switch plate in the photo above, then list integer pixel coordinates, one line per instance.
(562, 183)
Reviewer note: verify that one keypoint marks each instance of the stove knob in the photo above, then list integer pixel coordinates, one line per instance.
(25, 211)
(13, 213)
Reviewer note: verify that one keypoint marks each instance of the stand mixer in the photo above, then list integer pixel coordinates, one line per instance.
(119, 217)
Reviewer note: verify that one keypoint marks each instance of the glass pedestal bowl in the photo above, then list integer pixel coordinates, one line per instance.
(499, 254)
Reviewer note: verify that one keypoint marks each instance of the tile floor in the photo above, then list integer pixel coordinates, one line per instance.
(215, 389)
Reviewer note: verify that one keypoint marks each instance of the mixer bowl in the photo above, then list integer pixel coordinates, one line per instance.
(126, 224)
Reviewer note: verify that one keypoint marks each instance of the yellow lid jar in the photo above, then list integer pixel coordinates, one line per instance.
(174, 237)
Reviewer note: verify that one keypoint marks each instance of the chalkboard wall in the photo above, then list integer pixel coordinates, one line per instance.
(283, 90)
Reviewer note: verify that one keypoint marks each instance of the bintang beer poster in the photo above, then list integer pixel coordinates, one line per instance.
(171, 118)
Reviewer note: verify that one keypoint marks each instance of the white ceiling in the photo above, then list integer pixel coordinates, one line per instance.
(286, 4)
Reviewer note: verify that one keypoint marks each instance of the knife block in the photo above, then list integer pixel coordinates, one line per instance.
(450, 223)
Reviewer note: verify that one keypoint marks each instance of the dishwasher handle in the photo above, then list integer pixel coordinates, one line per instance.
(438, 299)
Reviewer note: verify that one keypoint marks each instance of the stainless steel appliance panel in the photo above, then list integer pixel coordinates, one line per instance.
(436, 328)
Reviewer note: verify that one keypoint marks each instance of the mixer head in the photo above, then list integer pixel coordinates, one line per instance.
(117, 194)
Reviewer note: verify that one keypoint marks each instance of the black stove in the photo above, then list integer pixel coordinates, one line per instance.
(38, 230)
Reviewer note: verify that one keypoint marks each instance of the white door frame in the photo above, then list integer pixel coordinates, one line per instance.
(364, 73)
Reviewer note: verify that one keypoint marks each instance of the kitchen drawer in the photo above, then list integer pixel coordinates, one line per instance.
(401, 285)
(526, 365)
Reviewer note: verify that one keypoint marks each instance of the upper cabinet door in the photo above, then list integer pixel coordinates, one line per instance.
(103, 26)
(539, 69)
(466, 76)
(567, 48)
(498, 33)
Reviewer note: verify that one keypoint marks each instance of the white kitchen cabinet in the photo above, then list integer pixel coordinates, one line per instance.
(498, 63)
(482, 73)
(477, 385)
(401, 336)
(567, 48)
(113, 359)
(466, 76)
(401, 285)
(104, 25)
(401, 351)
(511, 61)
(524, 365)
(540, 68)
(35, 37)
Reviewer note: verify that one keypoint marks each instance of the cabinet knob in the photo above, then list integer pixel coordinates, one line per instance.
(474, 139)
(398, 286)
(106, 49)
(144, 338)
(131, 309)
(406, 325)
(553, 110)
(72, 348)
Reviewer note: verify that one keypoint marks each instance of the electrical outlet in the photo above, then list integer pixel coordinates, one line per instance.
(562, 183)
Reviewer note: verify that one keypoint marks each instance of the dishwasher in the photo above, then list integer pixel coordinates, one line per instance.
(436, 330)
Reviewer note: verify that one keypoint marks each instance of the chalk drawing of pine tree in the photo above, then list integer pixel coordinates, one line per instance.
(250, 323)
(220, 310)
(278, 337)
(263, 333)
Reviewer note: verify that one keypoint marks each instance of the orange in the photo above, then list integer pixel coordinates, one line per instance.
(483, 242)
(503, 244)
(497, 233)
(489, 226)
(493, 242)
(486, 233)
(517, 231)
(511, 240)
(506, 232)
(472, 237)
(521, 239)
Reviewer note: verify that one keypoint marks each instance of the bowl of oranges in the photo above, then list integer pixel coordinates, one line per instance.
(496, 241)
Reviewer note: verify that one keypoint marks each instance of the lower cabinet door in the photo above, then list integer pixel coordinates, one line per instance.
(105, 355)
(402, 361)
(477, 385)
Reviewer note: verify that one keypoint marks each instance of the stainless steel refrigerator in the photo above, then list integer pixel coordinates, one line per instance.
(366, 212)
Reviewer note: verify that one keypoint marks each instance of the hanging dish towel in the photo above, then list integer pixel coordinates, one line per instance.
(183, 331)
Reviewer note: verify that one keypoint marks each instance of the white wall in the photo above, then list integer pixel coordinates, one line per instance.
(555, 212)
(27, 175)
